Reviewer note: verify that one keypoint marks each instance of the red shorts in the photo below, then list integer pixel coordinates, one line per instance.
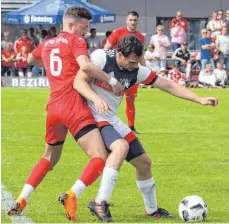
(69, 113)
(132, 91)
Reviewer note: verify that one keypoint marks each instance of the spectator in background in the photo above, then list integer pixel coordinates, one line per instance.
(214, 51)
(183, 22)
(52, 32)
(214, 24)
(36, 71)
(93, 41)
(44, 35)
(7, 56)
(220, 17)
(151, 58)
(23, 41)
(38, 30)
(108, 33)
(183, 59)
(32, 37)
(206, 76)
(161, 43)
(206, 50)
(6, 39)
(176, 76)
(178, 35)
(226, 20)
(220, 74)
(23, 67)
(222, 44)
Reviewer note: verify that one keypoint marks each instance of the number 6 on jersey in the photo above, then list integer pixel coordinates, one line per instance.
(55, 71)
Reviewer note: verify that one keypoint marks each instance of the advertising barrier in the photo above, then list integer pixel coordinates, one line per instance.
(33, 82)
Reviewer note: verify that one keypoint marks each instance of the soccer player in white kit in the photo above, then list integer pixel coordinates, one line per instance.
(119, 140)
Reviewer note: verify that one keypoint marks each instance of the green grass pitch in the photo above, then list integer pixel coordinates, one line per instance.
(188, 144)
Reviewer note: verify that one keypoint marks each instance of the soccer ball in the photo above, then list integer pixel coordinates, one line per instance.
(193, 208)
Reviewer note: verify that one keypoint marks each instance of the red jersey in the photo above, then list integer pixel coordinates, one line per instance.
(8, 55)
(24, 42)
(59, 58)
(122, 32)
(22, 64)
(183, 23)
(176, 77)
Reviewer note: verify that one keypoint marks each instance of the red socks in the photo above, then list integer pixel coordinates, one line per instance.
(130, 110)
(92, 170)
(38, 172)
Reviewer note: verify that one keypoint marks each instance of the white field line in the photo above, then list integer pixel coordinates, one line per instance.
(6, 201)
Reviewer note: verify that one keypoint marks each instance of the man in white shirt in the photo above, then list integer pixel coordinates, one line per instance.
(93, 41)
(161, 43)
(124, 66)
(222, 44)
(220, 74)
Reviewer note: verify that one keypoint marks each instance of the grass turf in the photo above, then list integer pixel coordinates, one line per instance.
(188, 145)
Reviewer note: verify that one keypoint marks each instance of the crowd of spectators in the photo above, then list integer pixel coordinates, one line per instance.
(212, 60)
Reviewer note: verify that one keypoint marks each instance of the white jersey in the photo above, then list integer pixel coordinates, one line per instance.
(106, 60)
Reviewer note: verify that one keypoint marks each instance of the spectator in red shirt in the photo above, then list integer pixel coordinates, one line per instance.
(176, 76)
(108, 33)
(23, 41)
(183, 22)
(8, 56)
(23, 67)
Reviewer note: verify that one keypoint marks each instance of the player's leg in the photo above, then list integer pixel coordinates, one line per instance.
(131, 94)
(83, 128)
(144, 179)
(92, 144)
(55, 136)
(118, 148)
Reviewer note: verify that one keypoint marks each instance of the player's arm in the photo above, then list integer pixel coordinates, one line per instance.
(179, 91)
(81, 85)
(35, 61)
(148, 77)
(93, 71)
(108, 45)
(34, 58)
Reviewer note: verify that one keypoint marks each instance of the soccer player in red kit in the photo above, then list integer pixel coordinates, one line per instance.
(62, 57)
(130, 29)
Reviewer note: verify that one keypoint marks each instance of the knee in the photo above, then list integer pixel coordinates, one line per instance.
(52, 155)
(120, 147)
(145, 164)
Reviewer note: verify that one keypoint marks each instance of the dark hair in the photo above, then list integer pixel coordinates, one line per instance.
(31, 30)
(52, 29)
(133, 13)
(92, 30)
(44, 33)
(78, 13)
(108, 33)
(24, 31)
(130, 44)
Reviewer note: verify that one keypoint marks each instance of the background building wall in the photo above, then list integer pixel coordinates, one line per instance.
(149, 10)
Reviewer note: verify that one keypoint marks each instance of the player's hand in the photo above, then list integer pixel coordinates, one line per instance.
(117, 88)
(100, 106)
(209, 101)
